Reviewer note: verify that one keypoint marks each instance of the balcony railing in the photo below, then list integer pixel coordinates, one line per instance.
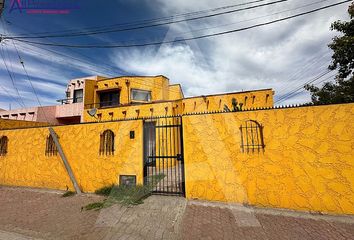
(70, 100)
(103, 104)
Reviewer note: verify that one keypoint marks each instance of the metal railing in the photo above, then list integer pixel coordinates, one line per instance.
(103, 104)
(70, 100)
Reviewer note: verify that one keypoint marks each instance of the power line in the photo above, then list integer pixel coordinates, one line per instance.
(11, 74)
(10, 96)
(144, 83)
(255, 18)
(289, 94)
(184, 39)
(62, 58)
(152, 25)
(137, 22)
(12, 78)
(52, 51)
(299, 87)
(316, 84)
(31, 84)
(241, 21)
(106, 66)
(301, 72)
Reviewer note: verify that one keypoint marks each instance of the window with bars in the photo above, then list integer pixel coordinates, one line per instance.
(107, 143)
(50, 148)
(3, 145)
(251, 136)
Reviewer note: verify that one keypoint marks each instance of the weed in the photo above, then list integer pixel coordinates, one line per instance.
(125, 195)
(105, 191)
(68, 194)
(95, 205)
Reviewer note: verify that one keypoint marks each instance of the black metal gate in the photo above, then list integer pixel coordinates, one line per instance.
(163, 155)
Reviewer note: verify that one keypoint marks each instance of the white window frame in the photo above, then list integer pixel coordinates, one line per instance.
(140, 90)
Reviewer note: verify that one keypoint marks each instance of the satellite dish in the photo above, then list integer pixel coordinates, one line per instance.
(92, 112)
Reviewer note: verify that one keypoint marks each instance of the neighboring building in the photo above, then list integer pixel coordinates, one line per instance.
(133, 97)
(69, 112)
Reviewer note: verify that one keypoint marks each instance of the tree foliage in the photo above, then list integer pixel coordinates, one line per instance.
(342, 90)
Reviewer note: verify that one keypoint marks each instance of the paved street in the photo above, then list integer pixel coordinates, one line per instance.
(37, 214)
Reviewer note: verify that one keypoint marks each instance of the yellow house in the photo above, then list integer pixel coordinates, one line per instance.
(298, 158)
(96, 98)
(143, 97)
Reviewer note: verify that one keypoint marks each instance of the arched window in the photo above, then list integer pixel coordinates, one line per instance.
(107, 143)
(50, 148)
(3, 145)
(251, 136)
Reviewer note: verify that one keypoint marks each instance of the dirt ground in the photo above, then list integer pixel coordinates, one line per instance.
(38, 214)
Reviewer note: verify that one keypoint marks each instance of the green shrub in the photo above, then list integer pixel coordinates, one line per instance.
(68, 194)
(95, 205)
(125, 195)
(105, 191)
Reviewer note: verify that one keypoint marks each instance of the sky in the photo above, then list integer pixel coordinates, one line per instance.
(282, 56)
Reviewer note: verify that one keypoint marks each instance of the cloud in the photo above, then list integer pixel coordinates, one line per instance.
(48, 71)
(281, 56)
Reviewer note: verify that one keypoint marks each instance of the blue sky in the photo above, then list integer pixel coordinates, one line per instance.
(281, 56)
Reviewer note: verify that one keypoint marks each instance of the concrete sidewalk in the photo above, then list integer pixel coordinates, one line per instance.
(222, 221)
(36, 214)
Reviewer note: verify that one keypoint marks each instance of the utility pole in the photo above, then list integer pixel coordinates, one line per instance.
(2, 5)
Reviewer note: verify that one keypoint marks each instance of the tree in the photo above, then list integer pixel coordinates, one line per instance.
(342, 90)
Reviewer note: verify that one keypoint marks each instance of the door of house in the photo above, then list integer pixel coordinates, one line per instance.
(163, 155)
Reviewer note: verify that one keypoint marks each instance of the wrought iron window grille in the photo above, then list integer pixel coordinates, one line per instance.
(252, 137)
(3, 145)
(50, 149)
(107, 143)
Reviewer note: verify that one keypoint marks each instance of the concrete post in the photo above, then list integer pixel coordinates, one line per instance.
(65, 161)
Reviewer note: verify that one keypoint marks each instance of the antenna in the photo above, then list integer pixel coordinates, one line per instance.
(92, 112)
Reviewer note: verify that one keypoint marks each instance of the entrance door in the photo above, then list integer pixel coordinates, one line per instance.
(163, 155)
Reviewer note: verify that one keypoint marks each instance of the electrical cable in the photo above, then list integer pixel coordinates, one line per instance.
(184, 39)
(139, 22)
(151, 25)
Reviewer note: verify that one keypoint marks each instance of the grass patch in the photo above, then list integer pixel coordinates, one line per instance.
(129, 195)
(68, 194)
(155, 179)
(105, 191)
(124, 195)
(95, 205)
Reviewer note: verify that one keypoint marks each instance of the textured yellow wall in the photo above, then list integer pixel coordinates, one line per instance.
(307, 163)
(133, 111)
(89, 94)
(157, 85)
(251, 99)
(8, 124)
(175, 92)
(26, 164)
